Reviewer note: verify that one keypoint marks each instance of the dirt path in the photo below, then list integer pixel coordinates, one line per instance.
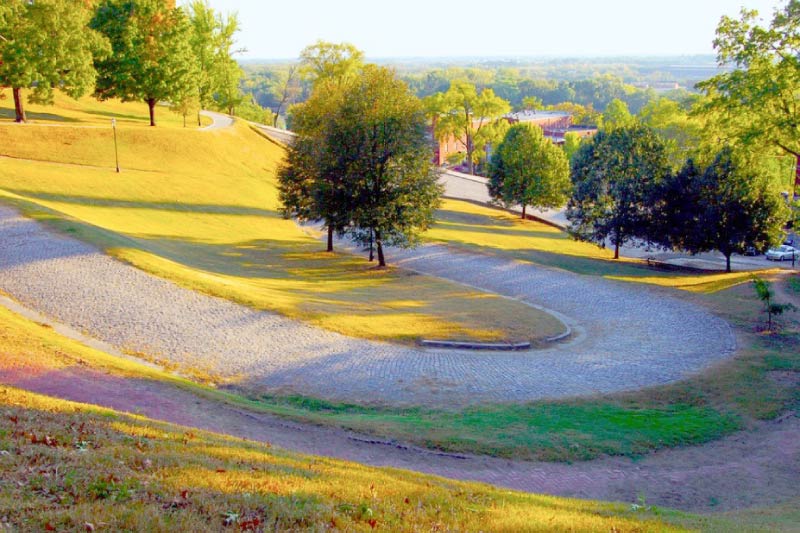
(758, 467)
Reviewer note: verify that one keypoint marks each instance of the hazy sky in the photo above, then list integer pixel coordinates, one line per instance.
(453, 28)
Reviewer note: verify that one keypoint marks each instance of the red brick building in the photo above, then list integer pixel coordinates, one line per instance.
(554, 124)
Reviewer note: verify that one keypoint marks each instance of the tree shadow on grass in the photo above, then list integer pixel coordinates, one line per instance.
(10, 114)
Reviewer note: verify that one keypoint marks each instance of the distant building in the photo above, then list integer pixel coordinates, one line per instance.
(554, 124)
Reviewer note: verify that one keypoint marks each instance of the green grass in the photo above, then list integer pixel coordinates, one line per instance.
(64, 465)
(547, 431)
(201, 208)
(73, 467)
(498, 232)
(794, 284)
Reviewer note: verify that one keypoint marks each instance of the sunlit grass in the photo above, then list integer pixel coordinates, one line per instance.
(89, 111)
(123, 472)
(65, 465)
(201, 209)
(496, 231)
(69, 466)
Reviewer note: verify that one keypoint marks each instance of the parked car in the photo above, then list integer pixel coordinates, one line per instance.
(783, 253)
(751, 251)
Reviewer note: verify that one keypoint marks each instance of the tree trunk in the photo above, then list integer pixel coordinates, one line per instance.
(379, 243)
(184, 121)
(728, 262)
(616, 248)
(18, 106)
(524, 206)
(470, 164)
(330, 239)
(199, 123)
(371, 246)
(151, 104)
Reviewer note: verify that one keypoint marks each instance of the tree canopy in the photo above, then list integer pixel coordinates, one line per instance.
(324, 60)
(212, 41)
(617, 115)
(756, 100)
(152, 59)
(729, 206)
(64, 49)
(469, 116)
(528, 169)
(614, 176)
(362, 161)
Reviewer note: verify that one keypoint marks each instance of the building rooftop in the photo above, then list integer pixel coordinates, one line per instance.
(535, 114)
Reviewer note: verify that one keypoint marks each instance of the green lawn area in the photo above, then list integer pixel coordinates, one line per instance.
(496, 231)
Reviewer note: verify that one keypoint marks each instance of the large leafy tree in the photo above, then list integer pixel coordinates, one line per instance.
(469, 116)
(311, 180)
(212, 40)
(324, 61)
(380, 137)
(757, 98)
(680, 131)
(361, 162)
(614, 178)
(44, 45)
(528, 169)
(729, 206)
(152, 58)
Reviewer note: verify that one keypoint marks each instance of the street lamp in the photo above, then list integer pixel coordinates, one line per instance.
(116, 151)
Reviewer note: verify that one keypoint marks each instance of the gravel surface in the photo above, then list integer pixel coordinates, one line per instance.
(625, 336)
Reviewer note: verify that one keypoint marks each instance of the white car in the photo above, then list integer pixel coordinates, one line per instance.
(782, 253)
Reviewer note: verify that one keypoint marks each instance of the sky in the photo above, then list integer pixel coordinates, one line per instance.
(279, 29)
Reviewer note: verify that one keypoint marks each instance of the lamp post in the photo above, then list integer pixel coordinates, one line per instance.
(116, 151)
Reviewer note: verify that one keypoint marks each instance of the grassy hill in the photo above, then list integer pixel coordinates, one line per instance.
(201, 208)
(64, 465)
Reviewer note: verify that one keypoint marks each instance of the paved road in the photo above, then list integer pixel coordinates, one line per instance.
(219, 120)
(626, 336)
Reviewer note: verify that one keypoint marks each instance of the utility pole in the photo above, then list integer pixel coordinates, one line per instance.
(116, 151)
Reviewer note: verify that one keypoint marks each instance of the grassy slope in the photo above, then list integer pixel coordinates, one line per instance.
(64, 465)
(117, 471)
(201, 208)
(498, 232)
(67, 465)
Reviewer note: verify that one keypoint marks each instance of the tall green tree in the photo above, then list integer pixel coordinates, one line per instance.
(311, 180)
(528, 169)
(361, 162)
(617, 115)
(213, 40)
(614, 178)
(44, 45)
(680, 131)
(313, 165)
(572, 142)
(729, 206)
(381, 141)
(152, 59)
(469, 116)
(755, 99)
(324, 60)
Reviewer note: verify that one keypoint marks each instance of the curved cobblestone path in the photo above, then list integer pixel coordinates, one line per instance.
(624, 336)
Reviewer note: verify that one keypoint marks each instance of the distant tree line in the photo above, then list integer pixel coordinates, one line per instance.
(135, 50)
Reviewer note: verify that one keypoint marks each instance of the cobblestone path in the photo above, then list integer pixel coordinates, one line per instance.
(624, 336)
